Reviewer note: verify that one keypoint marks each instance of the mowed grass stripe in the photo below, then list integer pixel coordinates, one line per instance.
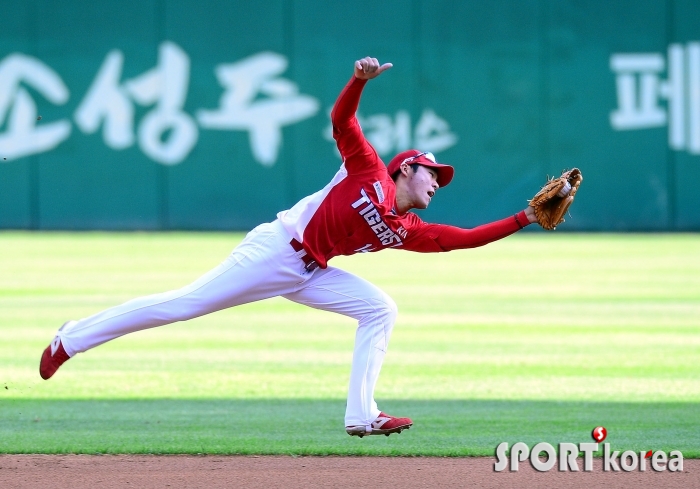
(310, 427)
(525, 324)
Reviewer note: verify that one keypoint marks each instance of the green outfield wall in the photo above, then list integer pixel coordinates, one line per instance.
(156, 114)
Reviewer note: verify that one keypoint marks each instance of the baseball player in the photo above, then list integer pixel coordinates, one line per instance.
(364, 208)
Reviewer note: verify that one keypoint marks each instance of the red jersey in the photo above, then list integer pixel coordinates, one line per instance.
(356, 211)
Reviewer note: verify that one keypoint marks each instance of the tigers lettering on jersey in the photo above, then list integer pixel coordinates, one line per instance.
(369, 212)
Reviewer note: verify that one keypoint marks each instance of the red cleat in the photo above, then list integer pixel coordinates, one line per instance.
(54, 356)
(385, 424)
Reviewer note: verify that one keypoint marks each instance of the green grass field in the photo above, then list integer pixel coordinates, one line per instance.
(539, 337)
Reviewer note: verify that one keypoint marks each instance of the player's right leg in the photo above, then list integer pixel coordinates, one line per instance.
(263, 265)
(339, 291)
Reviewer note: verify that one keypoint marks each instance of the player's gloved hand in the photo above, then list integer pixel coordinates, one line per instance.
(551, 203)
(368, 68)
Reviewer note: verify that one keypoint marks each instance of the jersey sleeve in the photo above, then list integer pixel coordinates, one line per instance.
(431, 238)
(357, 153)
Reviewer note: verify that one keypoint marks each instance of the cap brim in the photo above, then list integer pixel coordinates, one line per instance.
(445, 172)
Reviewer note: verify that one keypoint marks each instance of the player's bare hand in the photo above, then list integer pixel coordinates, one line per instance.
(530, 213)
(368, 68)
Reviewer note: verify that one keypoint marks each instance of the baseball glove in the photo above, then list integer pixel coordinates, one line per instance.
(552, 202)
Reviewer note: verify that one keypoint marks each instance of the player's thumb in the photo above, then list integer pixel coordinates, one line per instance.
(384, 67)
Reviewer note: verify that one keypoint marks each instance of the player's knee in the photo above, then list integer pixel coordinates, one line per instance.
(388, 310)
(393, 308)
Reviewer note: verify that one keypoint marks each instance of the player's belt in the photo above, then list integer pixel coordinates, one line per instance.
(310, 263)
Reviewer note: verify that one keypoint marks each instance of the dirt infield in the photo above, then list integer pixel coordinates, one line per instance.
(211, 472)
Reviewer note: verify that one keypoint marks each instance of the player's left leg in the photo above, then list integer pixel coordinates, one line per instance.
(338, 291)
(263, 265)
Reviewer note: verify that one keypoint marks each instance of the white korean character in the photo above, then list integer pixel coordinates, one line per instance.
(111, 104)
(433, 133)
(637, 80)
(639, 88)
(240, 109)
(390, 135)
(23, 136)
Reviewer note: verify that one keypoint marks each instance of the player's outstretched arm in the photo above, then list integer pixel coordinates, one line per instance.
(368, 68)
(442, 237)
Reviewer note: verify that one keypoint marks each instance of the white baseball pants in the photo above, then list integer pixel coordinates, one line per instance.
(263, 265)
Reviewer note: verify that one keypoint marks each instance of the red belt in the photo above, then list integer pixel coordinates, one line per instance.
(310, 263)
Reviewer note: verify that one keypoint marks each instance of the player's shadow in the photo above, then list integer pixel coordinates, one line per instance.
(315, 427)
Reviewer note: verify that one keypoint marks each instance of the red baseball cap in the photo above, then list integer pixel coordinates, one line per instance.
(425, 158)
